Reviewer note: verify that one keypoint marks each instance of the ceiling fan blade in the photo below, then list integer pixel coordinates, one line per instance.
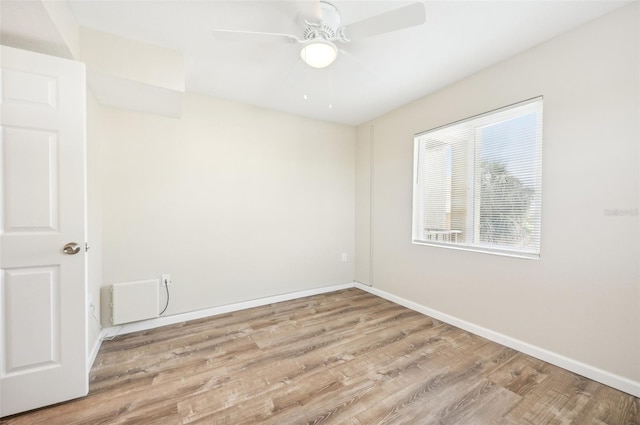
(255, 36)
(394, 20)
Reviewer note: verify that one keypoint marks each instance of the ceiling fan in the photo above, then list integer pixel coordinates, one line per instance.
(324, 29)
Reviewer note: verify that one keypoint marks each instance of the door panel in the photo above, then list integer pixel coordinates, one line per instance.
(30, 174)
(32, 88)
(32, 338)
(43, 321)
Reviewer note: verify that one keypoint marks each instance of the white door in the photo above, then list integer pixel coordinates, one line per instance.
(43, 329)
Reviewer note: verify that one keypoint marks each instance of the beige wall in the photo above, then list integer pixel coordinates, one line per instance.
(235, 202)
(581, 299)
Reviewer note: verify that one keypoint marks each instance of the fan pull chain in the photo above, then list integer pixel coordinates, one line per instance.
(304, 96)
(331, 89)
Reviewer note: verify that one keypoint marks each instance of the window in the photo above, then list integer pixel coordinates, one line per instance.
(478, 182)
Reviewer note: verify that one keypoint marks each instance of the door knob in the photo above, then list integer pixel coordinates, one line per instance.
(71, 248)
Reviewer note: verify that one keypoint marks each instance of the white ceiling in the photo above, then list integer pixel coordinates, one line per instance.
(26, 25)
(374, 76)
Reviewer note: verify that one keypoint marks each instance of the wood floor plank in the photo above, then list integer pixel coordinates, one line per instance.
(521, 374)
(346, 357)
(436, 391)
(608, 406)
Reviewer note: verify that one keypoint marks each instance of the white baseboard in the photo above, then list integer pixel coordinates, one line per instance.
(213, 311)
(616, 381)
(94, 351)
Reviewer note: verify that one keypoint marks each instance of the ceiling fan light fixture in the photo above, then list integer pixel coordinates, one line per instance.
(319, 53)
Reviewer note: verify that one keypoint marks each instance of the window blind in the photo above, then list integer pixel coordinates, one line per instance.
(478, 182)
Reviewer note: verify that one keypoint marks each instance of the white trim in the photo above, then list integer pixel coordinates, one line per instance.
(213, 311)
(616, 381)
(94, 351)
(372, 134)
(479, 249)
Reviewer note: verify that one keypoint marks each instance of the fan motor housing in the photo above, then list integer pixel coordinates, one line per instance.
(320, 31)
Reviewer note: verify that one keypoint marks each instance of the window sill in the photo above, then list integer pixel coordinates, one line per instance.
(479, 249)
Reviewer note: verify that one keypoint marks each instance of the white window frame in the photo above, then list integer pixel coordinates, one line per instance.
(473, 124)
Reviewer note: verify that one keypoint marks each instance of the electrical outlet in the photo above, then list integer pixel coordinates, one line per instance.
(344, 257)
(166, 279)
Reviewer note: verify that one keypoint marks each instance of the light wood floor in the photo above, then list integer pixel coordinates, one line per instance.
(346, 357)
